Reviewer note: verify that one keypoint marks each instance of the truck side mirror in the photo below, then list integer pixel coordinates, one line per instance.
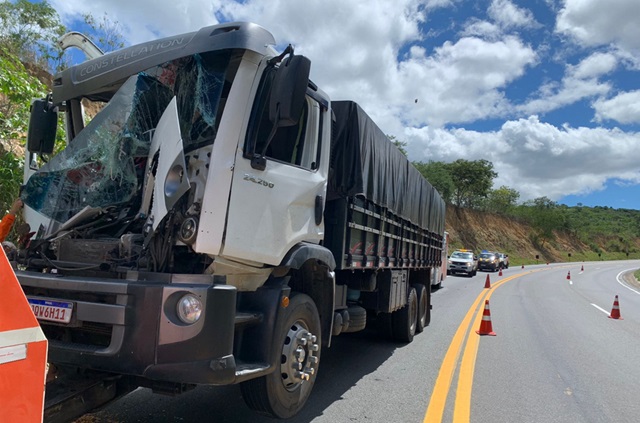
(41, 136)
(289, 90)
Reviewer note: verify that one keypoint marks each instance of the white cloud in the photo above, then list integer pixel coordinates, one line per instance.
(623, 108)
(143, 20)
(536, 158)
(595, 65)
(580, 82)
(570, 91)
(484, 29)
(596, 22)
(463, 81)
(508, 15)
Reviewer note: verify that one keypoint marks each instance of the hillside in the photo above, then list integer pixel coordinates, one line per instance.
(486, 231)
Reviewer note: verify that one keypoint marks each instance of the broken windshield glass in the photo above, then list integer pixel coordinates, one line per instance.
(104, 165)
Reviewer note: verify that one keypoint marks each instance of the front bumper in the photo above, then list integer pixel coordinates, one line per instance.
(459, 268)
(129, 326)
(488, 266)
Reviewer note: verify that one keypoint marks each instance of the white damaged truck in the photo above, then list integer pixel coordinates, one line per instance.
(218, 221)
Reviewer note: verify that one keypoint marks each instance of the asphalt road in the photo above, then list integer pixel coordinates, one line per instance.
(556, 357)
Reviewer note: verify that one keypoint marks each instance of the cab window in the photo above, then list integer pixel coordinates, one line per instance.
(297, 144)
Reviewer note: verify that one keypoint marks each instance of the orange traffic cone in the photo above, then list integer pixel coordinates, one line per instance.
(615, 311)
(500, 272)
(569, 275)
(23, 353)
(485, 324)
(582, 268)
(523, 266)
(487, 282)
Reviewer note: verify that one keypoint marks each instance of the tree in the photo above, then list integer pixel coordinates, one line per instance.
(545, 216)
(107, 32)
(437, 173)
(30, 31)
(472, 181)
(17, 89)
(502, 200)
(400, 144)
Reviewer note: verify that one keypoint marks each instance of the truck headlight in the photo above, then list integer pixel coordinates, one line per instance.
(173, 181)
(189, 309)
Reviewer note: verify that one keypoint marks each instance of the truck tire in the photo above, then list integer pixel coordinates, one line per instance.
(404, 321)
(282, 393)
(357, 319)
(423, 307)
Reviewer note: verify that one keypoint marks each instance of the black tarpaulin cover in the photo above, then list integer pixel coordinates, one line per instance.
(364, 162)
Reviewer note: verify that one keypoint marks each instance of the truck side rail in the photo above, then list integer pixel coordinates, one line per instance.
(362, 234)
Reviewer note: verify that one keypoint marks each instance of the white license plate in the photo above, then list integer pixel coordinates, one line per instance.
(53, 311)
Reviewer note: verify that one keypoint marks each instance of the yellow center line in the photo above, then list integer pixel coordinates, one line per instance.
(449, 364)
(462, 408)
(441, 388)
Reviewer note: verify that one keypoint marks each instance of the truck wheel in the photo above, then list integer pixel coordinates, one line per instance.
(423, 307)
(283, 393)
(404, 321)
(357, 319)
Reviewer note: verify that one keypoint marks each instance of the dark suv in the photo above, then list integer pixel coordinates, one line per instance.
(489, 260)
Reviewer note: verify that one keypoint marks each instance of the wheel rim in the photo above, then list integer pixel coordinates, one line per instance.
(298, 361)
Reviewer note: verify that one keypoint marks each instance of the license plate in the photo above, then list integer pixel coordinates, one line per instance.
(53, 311)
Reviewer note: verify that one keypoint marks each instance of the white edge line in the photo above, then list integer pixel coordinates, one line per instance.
(600, 308)
(621, 282)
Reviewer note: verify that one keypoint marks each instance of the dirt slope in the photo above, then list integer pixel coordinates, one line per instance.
(485, 231)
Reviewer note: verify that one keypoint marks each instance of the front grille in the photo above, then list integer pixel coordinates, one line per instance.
(88, 335)
(90, 297)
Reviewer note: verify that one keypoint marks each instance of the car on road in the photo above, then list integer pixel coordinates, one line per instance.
(489, 260)
(462, 261)
(504, 260)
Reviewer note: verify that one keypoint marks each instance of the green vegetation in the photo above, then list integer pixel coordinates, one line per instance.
(28, 54)
(609, 233)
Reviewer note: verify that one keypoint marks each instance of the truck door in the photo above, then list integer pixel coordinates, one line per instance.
(273, 209)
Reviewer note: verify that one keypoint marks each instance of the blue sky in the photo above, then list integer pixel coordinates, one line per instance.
(547, 90)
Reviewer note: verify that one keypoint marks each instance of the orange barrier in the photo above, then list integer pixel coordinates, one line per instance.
(23, 353)
(487, 282)
(485, 324)
(615, 311)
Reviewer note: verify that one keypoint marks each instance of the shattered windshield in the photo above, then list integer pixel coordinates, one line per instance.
(104, 165)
